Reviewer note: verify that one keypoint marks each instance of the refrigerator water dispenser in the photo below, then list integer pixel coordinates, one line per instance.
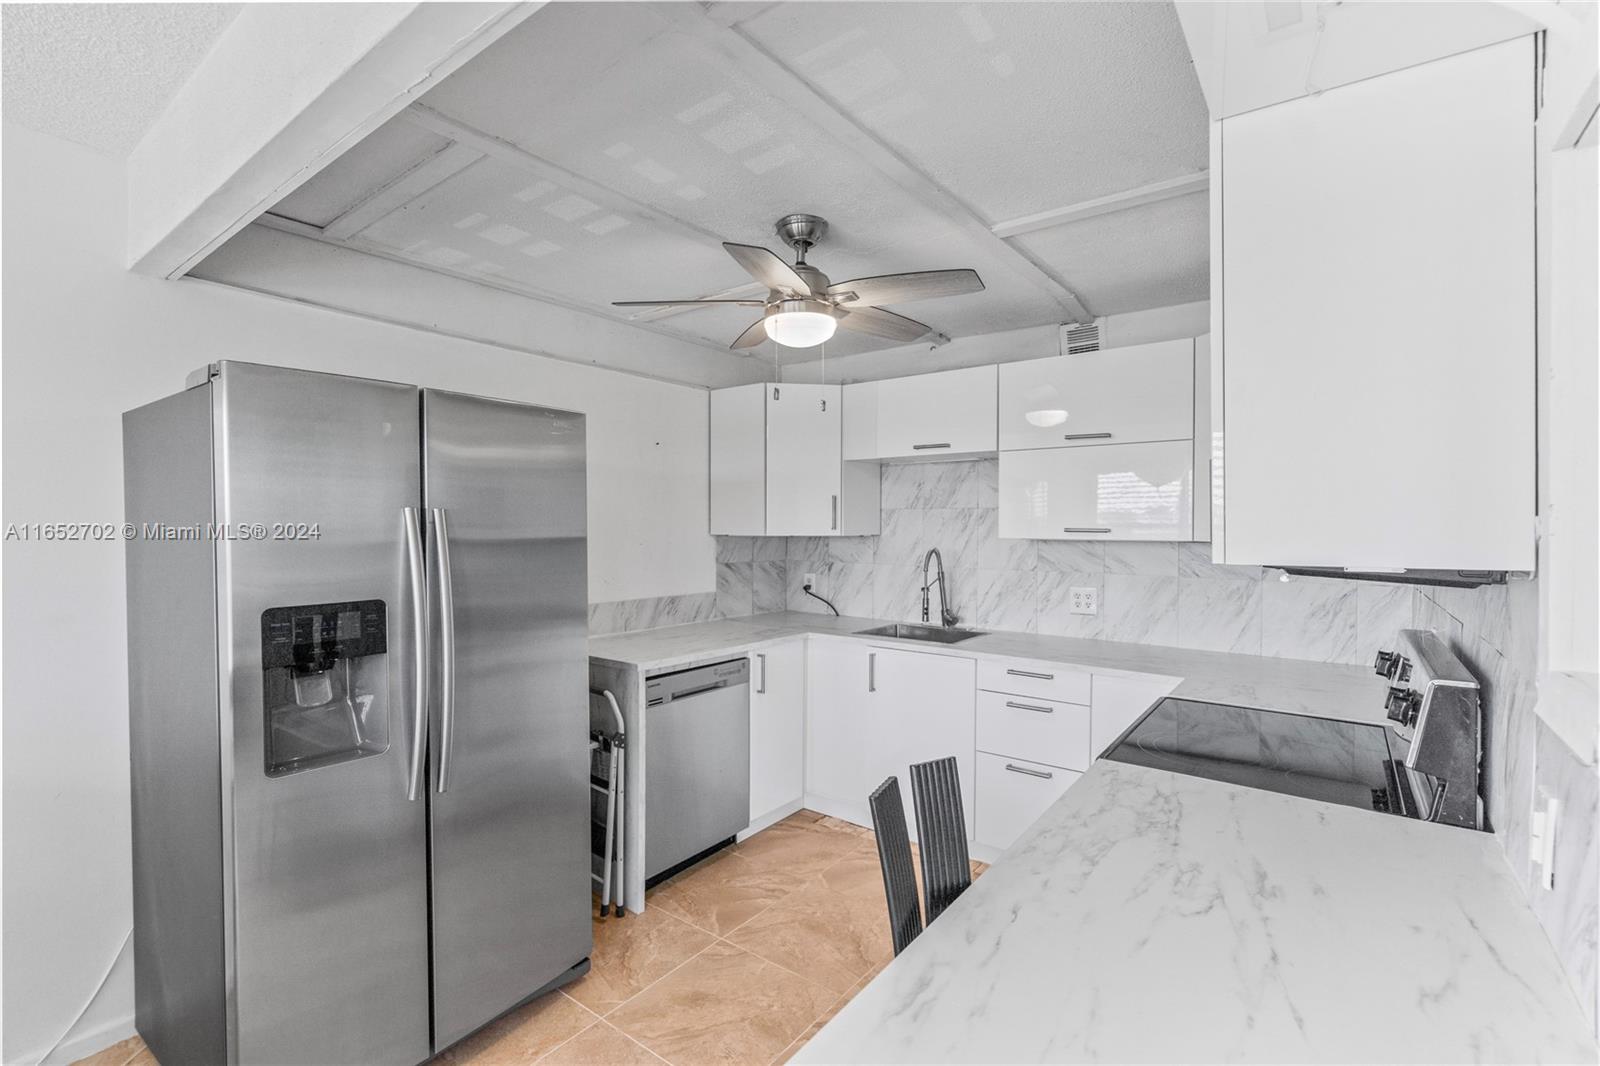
(325, 684)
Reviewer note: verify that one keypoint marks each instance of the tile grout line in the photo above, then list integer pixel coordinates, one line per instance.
(599, 1022)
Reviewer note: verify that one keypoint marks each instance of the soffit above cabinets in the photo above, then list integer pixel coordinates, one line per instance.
(602, 151)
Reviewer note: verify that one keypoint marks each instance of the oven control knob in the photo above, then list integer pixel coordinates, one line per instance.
(1401, 706)
(1387, 663)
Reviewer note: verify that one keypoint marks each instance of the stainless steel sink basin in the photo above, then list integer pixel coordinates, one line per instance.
(932, 634)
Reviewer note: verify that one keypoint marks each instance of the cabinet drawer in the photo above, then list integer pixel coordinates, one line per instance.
(1045, 731)
(1109, 492)
(1026, 677)
(1142, 392)
(1012, 794)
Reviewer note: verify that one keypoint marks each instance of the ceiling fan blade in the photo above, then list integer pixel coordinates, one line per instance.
(685, 303)
(767, 268)
(904, 288)
(881, 323)
(752, 336)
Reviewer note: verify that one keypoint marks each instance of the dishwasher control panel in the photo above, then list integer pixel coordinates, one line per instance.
(696, 679)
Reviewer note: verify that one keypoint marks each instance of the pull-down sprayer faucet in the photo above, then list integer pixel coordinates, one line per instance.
(947, 617)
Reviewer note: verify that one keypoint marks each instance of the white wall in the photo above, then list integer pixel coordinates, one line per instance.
(83, 341)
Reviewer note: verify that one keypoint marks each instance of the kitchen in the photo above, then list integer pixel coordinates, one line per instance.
(1297, 260)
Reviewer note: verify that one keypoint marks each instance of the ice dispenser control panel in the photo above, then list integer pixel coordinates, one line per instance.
(313, 637)
(324, 684)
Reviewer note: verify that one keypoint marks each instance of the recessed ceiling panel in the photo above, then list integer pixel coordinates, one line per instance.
(380, 157)
(1015, 108)
(502, 223)
(661, 117)
(1150, 256)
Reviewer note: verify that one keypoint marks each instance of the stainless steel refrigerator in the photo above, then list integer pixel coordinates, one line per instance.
(358, 715)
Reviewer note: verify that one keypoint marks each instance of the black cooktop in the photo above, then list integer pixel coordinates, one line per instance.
(1356, 764)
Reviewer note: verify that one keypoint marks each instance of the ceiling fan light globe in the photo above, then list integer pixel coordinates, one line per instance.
(801, 324)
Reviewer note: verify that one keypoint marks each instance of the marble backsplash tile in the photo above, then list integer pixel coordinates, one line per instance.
(1150, 592)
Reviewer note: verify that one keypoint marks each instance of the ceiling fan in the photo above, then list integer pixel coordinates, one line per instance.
(803, 308)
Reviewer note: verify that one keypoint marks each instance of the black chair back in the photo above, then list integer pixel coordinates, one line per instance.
(941, 834)
(894, 855)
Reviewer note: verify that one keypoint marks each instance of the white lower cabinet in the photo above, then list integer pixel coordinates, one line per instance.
(873, 712)
(1012, 794)
(1120, 701)
(777, 730)
(1106, 492)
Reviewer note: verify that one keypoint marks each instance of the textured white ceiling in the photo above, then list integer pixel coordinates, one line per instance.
(622, 145)
(100, 74)
(1014, 107)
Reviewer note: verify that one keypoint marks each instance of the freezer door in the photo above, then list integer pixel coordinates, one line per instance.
(329, 916)
(510, 767)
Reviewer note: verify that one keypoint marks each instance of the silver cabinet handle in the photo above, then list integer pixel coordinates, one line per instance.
(1031, 773)
(762, 687)
(1030, 673)
(1085, 529)
(835, 519)
(419, 650)
(872, 671)
(447, 645)
(927, 447)
(1086, 436)
(1031, 707)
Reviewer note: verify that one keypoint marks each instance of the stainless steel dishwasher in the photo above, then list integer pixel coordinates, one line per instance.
(697, 763)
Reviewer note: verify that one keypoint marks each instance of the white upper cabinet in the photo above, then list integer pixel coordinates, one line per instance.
(1112, 492)
(1143, 392)
(1376, 296)
(948, 414)
(776, 467)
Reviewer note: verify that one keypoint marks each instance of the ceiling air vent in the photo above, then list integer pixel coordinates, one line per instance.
(1081, 338)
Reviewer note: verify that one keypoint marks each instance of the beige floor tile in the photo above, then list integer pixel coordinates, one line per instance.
(522, 1036)
(723, 892)
(724, 1006)
(601, 1044)
(630, 953)
(800, 849)
(118, 1054)
(145, 1057)
(833, 931)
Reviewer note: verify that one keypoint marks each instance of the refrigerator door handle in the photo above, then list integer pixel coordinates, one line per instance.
(447, 645)
(419, 649)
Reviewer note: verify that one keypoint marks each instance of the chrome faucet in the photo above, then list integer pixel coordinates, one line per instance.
(947, 617)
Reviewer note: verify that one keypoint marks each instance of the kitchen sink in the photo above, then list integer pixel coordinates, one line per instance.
(932, 634)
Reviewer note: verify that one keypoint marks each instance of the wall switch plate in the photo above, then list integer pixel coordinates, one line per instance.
(810, 581)
(1083, 599)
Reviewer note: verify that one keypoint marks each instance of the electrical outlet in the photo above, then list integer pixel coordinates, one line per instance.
(1542, 840)
(811, 580)
(1083, 599)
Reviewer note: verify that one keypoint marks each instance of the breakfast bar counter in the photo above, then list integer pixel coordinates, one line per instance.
(1153, 917)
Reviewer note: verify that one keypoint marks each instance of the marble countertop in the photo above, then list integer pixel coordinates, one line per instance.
(1326, 689)
(1151, 917)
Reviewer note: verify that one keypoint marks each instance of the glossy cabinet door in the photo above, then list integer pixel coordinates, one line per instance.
(922, 707)
(803, 457)
(1111, 492)
(872, 712)
(1143, 392)
(739, 461)
(777, 727)
(838, 734)
(1378, 276)
(930, 416)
